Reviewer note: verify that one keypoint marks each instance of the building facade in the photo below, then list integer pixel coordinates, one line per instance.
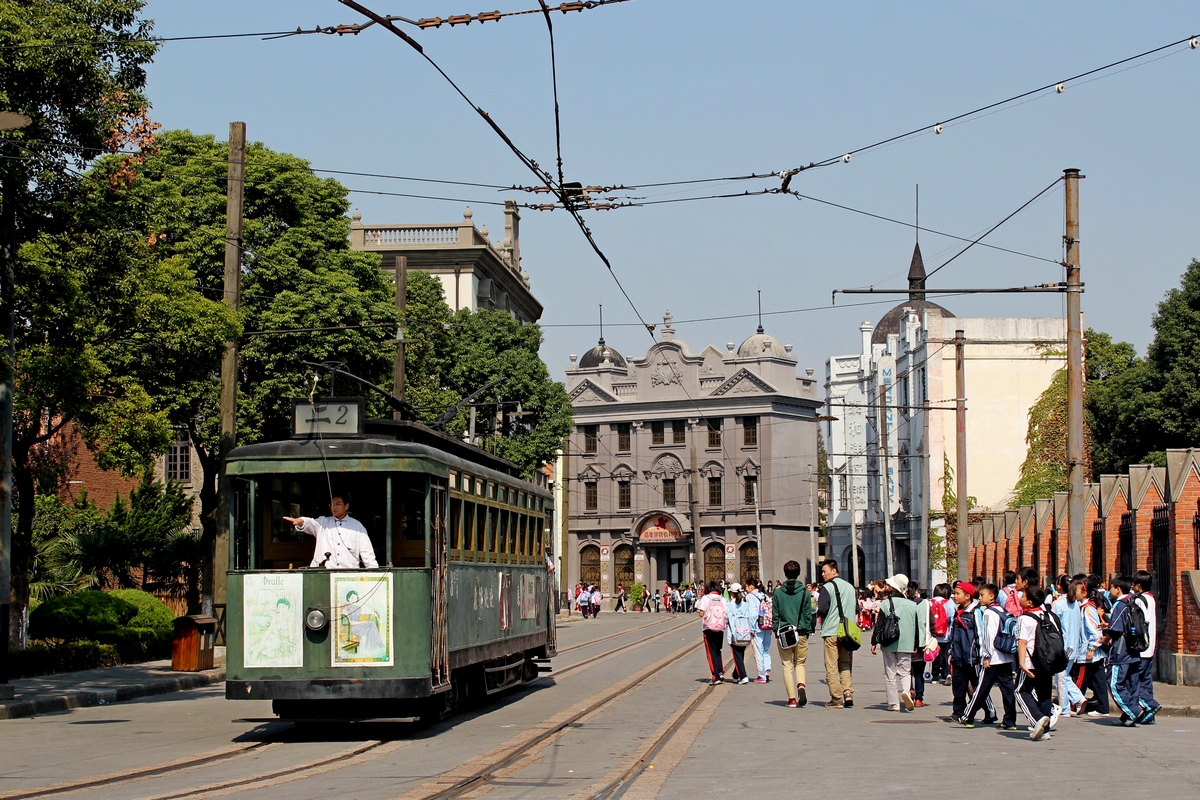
(900, 388)
(474, 271)
(687, 466)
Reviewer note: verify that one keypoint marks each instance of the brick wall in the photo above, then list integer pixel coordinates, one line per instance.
(103, 486)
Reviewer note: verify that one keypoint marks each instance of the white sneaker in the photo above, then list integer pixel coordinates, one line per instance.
(1055, 713)
(894, 708)
(906, 698)
(743, 681)
(1039, 730)
(1096, 714)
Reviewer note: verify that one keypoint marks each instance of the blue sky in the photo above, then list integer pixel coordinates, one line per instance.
(662, 90)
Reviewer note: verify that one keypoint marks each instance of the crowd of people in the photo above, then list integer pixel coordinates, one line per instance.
(1056, 651)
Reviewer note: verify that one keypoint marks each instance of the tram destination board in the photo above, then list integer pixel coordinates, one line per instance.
(328, 416)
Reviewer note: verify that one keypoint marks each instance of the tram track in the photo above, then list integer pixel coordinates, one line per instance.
(361, 752)
(506, 758)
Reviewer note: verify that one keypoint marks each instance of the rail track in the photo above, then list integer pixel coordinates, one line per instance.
(362, 751)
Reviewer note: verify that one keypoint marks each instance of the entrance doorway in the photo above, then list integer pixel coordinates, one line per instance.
(589, 565)
(714, 563)
(672, 565)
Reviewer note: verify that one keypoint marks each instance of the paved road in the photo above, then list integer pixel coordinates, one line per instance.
(738, 739)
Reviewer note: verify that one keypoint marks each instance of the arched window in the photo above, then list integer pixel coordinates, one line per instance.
(623, 565)
(589, 565)
(903, 558)
(749, 561)
(846, 566)
(714, 563)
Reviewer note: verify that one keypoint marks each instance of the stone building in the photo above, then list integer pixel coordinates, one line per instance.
(474, 271)
(902, 381)
(687, 466)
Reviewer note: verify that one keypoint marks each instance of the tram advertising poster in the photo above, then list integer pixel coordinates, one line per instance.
(529, 595)
(272, 620)
(362, 619)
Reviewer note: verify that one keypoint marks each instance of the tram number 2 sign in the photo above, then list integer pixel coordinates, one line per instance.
(327, 416)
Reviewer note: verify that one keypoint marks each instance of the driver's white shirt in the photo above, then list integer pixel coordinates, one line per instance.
(344, 539)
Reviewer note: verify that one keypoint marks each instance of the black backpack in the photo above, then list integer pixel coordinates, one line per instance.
(887, 630)
(1049, 653)
(1137, 630)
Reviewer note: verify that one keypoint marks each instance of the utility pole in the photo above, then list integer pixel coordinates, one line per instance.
(1076, 464)
(960, 440)
(694, 513)
(218, 552)
(812, 526)
(850, 502)
(885, 488)
(401, 306)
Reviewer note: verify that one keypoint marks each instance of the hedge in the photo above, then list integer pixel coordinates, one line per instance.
(73, 617)
(41, 658)
(152, 613)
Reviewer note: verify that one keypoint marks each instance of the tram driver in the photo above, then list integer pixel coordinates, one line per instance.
(342, 541)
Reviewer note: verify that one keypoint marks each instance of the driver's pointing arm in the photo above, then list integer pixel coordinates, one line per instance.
(342, 541)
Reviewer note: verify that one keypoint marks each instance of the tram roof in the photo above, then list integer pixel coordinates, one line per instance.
(385, 441)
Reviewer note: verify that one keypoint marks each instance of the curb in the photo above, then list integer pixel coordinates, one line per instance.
(1179, 711)
(99, 697)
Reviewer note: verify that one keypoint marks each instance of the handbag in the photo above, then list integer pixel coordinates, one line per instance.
(849, 635)
(788, 636)
(887, 631)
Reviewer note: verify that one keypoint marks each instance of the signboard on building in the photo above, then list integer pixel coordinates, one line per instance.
(661, 529)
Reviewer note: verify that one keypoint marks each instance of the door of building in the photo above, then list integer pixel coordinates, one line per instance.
(589, 566)
(714, 563)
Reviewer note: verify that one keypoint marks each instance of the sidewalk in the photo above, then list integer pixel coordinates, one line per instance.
(1178, 701)
(94, 687)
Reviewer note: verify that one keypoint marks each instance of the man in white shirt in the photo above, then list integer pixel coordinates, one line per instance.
(342, 541)
(1143, 583)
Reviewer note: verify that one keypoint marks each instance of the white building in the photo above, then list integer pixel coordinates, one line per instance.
(905, 369)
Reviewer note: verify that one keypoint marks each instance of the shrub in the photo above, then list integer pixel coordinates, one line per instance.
(137, 644)
(152, 613)
(637, 594)
(74, 617)
(42, 658)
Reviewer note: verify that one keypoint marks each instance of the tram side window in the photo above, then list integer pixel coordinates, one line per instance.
(524, 523)
(480, 530)
(512, 534)
(468, 530)
(502, 533)
(540, 523)
(493, 519)
(455, 523)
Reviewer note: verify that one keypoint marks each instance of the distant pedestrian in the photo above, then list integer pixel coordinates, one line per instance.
(584, 599)
(620, 595)
(689, 600)
(1143, 582)
(1124, 662)
(792, 622)
(941, 612)
(835, 607)
(1067, 606)
(896, 634)
(964, 652)
(597, 599)
(763, 629)
(657, 600)
(918, 656)
(711, 608)
(741, 622)
(676, 600)
(1091, 672)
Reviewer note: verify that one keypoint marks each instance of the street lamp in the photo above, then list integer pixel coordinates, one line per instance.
(9, 121)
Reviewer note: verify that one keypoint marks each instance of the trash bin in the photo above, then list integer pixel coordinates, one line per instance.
(193, 647)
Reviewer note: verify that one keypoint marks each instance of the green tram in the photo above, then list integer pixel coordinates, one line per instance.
(460, 607)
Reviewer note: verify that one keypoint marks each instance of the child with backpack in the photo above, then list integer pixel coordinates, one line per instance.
(711, 609)
(964, 650)
(1126, 638)
(1091, 672)
(1040, 655)
(1143, 582)
(762, 633)
(741, 622)
(941, 611)
(996, 629)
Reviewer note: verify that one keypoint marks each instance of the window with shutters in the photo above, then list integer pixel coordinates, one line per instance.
(591, 435)
(668, 492)
(714, 433)
(623, 437)
(750, 484)
(591, 496)
(714, 492)
(624, 494)
(657, 434)
(750, 432)
(679, 431)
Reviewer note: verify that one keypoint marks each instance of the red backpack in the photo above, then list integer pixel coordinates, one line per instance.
(940, 621)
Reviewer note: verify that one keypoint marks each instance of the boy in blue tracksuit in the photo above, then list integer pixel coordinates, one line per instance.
(964, 652)
(1143, 582)
(1124, 667)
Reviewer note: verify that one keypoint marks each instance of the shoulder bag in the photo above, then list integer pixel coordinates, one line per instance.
(849, 635)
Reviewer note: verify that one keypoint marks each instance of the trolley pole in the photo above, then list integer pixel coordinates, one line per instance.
(850, 503)
(217, 552)
(1076, 463)
(885, 485)
(812, 526)
(960, 439)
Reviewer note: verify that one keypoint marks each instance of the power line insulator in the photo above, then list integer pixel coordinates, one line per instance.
(489, 16)
(846, 158)
(460, 19)
(430, 22)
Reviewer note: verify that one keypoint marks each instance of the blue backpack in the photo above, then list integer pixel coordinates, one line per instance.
(1006, 633)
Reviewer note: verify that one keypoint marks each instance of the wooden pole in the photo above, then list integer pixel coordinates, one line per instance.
(960, 416)
(1076, 462)
(218, 551)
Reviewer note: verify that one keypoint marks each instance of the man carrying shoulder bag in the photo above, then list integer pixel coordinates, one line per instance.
(792, 612)
(836, 608)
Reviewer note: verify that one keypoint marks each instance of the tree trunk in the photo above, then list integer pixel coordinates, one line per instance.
(210, 466)
(22, 547)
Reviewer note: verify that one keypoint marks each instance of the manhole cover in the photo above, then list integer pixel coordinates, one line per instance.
(902, 721)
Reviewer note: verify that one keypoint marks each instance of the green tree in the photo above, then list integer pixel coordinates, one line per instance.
(82, 101)
(1172, 412)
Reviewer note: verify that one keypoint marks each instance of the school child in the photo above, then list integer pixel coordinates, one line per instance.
(942, 612)
(1066, 607)
(585, 601)
(1034, 685)
(1143, 582)
(711, 609)
(597, 599)
(964, 651)
(1124, 665)
(996, 660)
(1091, 672)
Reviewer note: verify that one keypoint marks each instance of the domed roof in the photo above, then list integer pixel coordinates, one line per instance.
(890, 322)
(760, 344)
(596, 356)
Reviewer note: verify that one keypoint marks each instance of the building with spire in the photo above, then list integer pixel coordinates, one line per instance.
(688, 466)
(892, 446)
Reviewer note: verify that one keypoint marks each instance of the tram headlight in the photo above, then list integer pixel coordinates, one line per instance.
(316, 619)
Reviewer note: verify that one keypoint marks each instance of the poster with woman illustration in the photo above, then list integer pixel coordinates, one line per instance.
(361, 619)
